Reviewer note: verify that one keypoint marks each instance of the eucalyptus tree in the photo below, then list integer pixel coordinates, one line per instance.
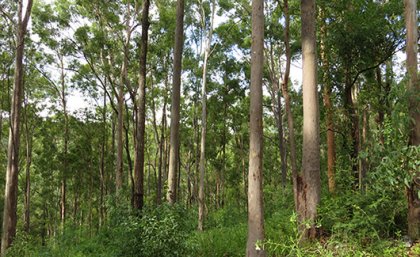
(11, 187)
(207, 52)
(175, 104)
(141, 112)
(255, 173)
(413, 87)
(311, 186)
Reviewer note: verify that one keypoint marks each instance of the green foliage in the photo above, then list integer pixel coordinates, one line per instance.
(155, 232)
(161, 231)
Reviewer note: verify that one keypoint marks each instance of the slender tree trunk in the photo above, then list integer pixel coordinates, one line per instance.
(120, 144)
(175, 108)
(414, 112)
(123, 81)
(363, 146)
(311, 149)
(277, 111)
(11, 185)
(102, 166)
(381, 111)
(350, 106)
(331, 153)
(290, 121)
(63, 199)
(204, 120)
(255, 174)
(161, 152)
(27, 202)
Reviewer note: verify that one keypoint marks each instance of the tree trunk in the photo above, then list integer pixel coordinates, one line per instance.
(255, 173)
(310, 151)
(141, 114)
(161, 153)
(120, 145)
(63, 200)
(27, 202)
(363, 146)
(102, 167)
(288, 108)
(11, 185)
(175, 108)
(351, 108)
(331, 154)
(204, 119)
(414, 112)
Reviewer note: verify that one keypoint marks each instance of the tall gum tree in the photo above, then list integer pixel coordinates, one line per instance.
(255, 173)
(311, 151)
(175, 107)
(414, 111)
(141, 114)
(11, 186)
(207, 51)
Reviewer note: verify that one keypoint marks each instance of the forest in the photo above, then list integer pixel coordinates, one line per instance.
(223, 128)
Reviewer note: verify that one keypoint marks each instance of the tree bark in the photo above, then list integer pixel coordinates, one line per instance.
(141, 118)
(11, 186)
(413, 89)
(255, 174)
(311, 150)
(175, 107)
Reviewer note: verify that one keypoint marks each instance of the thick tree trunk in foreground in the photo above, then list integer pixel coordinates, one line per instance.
(11, 186)
(414, 111)
(255, 173)
(311, 151)
(175, 108)
(141, 118)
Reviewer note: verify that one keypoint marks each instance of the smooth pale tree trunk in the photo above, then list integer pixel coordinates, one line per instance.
(207, 49)
(255, 173)
(11, 185)
(141, 118)
(331, 153)
(414, 112)
(311, 149)
(175, 106)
